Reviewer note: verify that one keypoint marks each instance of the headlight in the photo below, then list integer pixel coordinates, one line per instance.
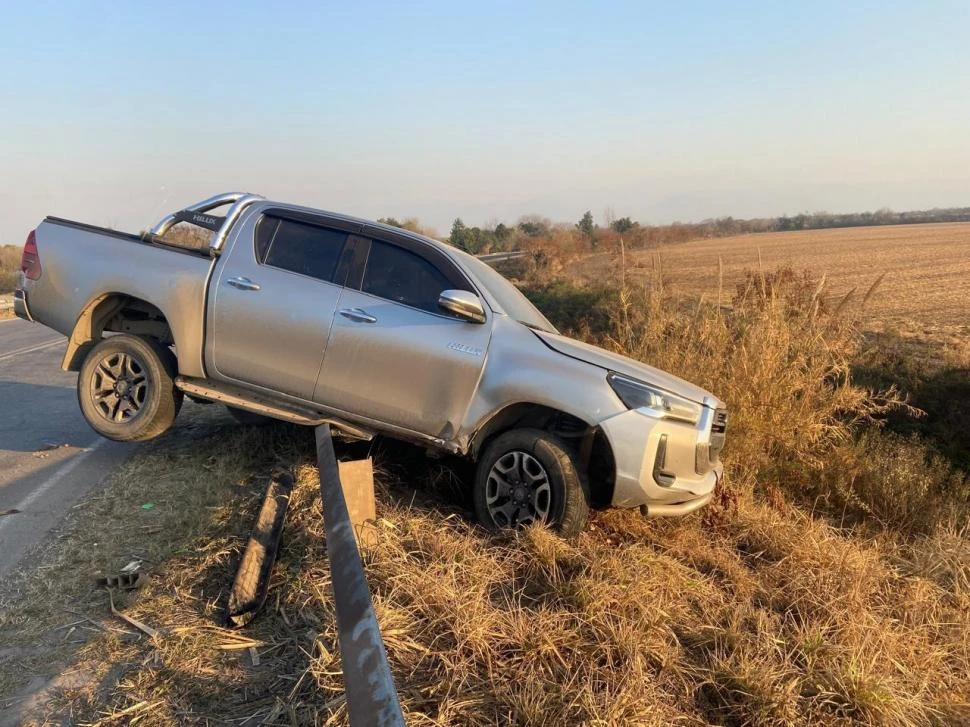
(638, 395)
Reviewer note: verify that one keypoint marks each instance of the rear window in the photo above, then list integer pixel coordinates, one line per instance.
(404, 277)
(300, 248)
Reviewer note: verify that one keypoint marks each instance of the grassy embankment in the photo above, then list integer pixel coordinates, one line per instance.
(828, 584)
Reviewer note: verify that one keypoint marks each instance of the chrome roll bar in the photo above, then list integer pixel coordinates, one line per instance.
(238, 201)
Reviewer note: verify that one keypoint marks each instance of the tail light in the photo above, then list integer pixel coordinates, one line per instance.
(30, 261)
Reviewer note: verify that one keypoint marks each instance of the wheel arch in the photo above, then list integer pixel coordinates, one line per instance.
(116, 312)
(592, 448)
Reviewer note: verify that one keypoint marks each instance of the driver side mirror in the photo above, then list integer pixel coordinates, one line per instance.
(462, 303)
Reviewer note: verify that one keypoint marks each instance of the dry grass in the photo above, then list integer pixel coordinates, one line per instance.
(768, 610)
(770, 617)
(9, 267)
(927, 267)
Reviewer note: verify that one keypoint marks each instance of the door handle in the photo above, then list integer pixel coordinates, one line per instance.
(243, 283)
(357, 314)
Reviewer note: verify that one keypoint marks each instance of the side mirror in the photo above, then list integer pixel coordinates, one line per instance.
(462, 303)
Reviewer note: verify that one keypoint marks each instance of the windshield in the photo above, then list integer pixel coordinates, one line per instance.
(515, 304)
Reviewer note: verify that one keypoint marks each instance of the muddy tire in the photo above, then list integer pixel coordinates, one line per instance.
(126, 388)
(529, 475)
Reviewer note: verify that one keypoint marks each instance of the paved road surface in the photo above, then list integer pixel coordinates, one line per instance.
(49, 457)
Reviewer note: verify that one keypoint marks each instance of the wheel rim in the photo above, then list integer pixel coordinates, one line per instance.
(119, 387)
(518, 491)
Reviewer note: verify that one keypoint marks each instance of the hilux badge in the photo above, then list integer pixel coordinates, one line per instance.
(465, 349)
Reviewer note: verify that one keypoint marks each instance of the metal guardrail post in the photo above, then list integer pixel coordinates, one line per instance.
(371, 695)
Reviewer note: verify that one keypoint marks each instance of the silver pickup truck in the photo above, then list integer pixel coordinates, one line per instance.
(310, 317)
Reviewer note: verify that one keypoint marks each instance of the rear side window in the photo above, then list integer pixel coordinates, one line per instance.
(404, 277)
(299, 248)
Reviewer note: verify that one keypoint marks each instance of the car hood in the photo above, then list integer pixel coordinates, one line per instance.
(622, 365)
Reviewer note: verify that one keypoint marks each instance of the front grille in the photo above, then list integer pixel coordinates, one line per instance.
(718, 430)
(708, 454)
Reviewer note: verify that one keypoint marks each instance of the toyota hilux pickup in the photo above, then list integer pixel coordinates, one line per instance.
(314, 317)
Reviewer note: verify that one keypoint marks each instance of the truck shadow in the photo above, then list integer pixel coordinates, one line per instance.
(26, 424)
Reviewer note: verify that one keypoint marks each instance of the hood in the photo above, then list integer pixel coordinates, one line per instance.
(622, 365)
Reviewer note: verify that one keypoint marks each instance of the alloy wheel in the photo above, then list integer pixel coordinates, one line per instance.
(119, 387)
(518, 491)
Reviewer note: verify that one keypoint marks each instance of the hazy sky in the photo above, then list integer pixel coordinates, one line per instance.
(118, 113)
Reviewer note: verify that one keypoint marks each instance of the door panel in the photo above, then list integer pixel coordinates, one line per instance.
(401, 365)
(270, 325)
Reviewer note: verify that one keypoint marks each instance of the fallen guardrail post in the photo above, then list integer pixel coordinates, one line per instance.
(252, 579)
(371, 695)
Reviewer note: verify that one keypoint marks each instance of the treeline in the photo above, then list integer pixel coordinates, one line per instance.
(820, 220)
(500, 237)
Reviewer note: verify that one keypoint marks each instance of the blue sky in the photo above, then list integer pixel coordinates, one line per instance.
(116, 113)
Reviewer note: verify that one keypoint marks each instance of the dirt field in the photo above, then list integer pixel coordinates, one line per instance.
(927, 267)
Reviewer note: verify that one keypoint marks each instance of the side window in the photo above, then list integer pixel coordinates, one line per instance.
(404, 277)
(299, 248)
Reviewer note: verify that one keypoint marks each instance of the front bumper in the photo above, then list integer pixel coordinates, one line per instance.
(666, 466)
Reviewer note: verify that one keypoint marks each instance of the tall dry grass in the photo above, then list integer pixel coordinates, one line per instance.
(772, 612)
(9, 267)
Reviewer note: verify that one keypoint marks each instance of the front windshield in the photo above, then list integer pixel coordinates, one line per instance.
(515, 304)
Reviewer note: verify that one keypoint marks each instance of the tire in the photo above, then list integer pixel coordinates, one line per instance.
(249, 418)
(126, 388)
(541, 472)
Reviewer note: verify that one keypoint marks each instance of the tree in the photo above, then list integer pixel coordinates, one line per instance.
(534, 225)
(623, 224)
(459, 235)
(586, 225)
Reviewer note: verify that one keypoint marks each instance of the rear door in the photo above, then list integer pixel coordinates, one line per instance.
(275, 298)
(393, 355)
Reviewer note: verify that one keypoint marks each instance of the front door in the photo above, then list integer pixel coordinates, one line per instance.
(274, 303)
(393, 355)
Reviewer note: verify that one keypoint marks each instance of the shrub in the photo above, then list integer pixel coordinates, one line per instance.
(9, 267)
(777, 357)
(898, 482)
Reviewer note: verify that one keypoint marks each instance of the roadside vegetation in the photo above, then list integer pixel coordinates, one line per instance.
(586, 233)
(829, 582)
(9, 266)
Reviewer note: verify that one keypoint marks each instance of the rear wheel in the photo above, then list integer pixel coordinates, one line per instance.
(528, 476)
(126, 388)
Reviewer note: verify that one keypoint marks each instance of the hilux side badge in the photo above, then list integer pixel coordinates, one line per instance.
(472, 350)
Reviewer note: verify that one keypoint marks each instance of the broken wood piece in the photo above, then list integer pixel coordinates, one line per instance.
(132, 621)
(252, 579)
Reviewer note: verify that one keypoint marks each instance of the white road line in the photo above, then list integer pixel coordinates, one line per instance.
(63, 471)
(30, 349)
(8, 320)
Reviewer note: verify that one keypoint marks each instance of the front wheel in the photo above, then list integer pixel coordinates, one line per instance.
(529, 476)
(126, 388)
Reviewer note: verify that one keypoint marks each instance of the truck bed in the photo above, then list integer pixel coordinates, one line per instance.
(127, 236)
(85, 264)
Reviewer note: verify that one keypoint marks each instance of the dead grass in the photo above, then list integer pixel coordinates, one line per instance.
(772, 616)
(781, 605)
(926, 266)
(9, 267)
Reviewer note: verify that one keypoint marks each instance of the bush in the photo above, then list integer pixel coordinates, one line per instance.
(9, 267)
(778, 359)
(898, 482)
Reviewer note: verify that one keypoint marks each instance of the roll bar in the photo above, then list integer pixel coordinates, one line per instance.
(195, 214)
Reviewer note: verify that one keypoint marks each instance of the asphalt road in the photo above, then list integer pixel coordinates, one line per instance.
(49, 457)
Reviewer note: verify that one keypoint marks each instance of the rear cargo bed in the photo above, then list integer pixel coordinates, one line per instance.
(144, 239)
